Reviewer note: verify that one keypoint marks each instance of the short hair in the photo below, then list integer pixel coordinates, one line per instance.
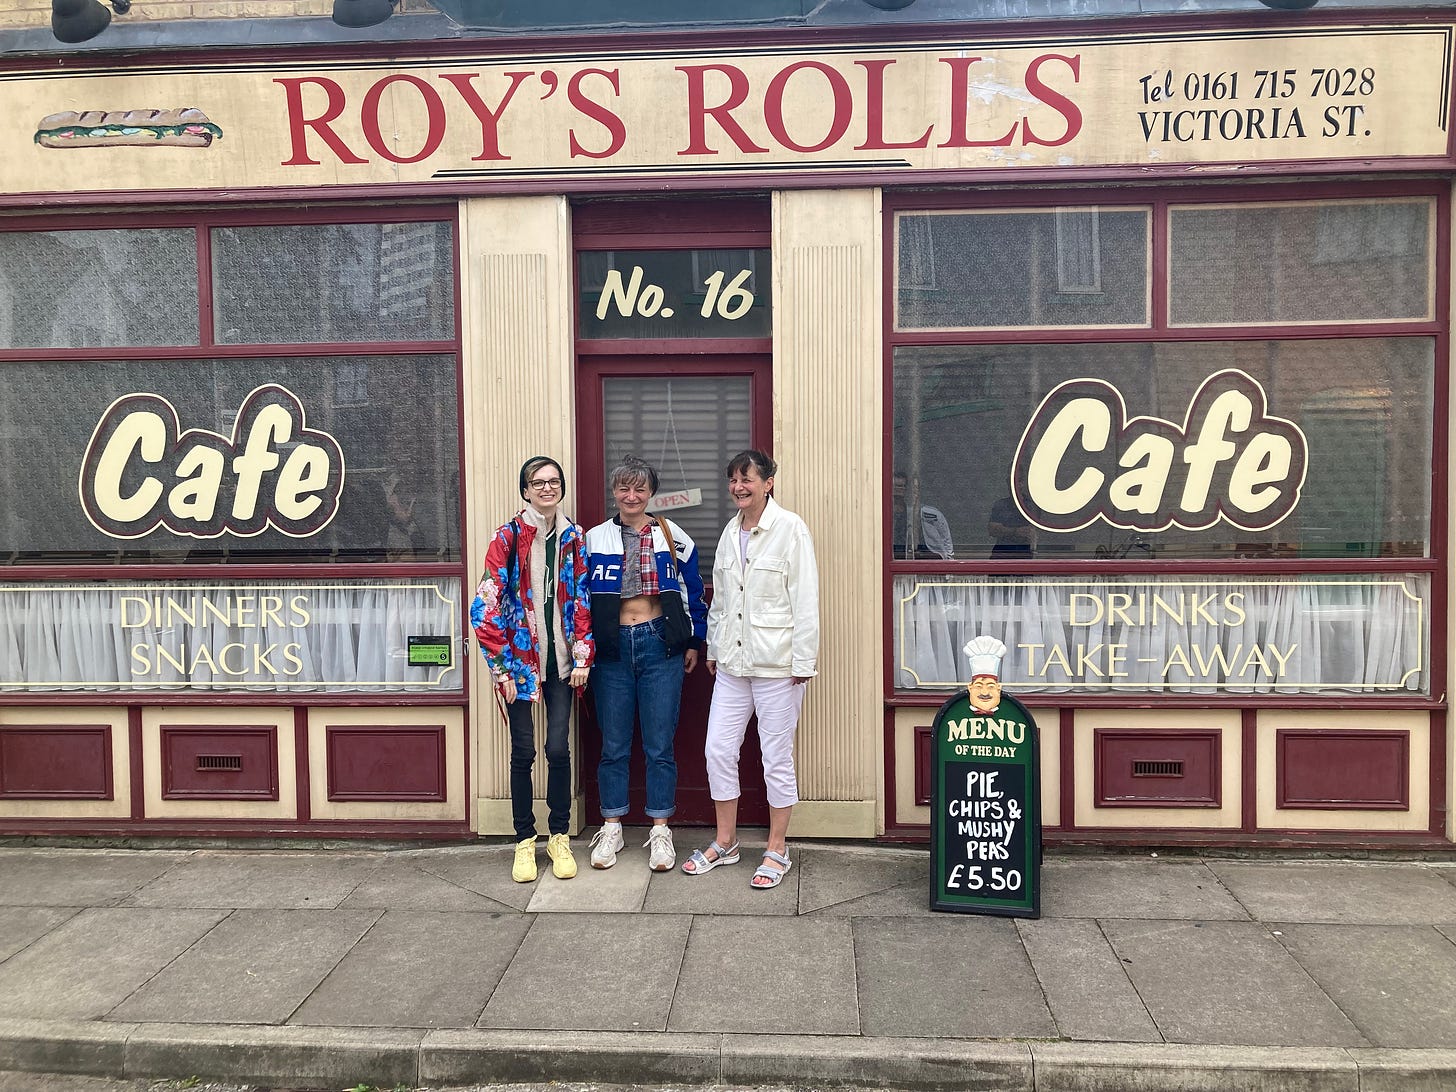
(633, 471)
(535, 463)
(754, 458)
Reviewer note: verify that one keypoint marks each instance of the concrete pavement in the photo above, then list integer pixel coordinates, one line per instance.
(332, 967)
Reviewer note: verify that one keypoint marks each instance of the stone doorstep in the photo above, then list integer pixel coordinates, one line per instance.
(337, 1057)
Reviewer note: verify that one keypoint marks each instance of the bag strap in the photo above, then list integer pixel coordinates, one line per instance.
(671, 545)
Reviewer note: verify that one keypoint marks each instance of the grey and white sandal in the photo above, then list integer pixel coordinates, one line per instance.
(699, 863)
(775, 876)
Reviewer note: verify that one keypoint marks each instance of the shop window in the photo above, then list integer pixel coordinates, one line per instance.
(1021, 268)
(82, 289)
(1301, 634)
(330, 283)
(1301, 263)
(285, 637)
(1351, 421)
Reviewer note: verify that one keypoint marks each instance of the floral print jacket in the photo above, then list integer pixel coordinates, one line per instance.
(503, 614)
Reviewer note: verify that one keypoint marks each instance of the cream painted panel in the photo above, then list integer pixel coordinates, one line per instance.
(828, 415)
(519, 397)
(1049, 735)
(1416, 722)
(453, 808)
(1229, 816)
(117, 808)
(280, 719)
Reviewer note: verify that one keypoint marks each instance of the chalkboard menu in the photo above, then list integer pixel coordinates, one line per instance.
(985, 810)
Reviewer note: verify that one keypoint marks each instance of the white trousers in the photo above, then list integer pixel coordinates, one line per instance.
(777, 703)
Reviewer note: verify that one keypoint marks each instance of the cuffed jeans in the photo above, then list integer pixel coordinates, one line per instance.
(643, 683)
(557, 695)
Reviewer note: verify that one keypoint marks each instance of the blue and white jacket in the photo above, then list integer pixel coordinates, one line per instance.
(681, 585)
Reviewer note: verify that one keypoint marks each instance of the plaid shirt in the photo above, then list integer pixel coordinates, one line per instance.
(641, 578)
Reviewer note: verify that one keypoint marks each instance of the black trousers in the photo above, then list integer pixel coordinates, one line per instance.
(558, 695)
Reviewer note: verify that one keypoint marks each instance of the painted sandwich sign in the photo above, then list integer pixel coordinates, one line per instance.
(1141, 101)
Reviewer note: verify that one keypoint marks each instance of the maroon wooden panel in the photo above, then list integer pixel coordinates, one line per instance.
(924, 733)
(691, 217)
(1157, 768)
(219, 762)
(386, 762)
(55, 762)
(1341, 768)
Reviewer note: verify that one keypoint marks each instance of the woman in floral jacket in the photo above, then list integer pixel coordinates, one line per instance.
(535, 583)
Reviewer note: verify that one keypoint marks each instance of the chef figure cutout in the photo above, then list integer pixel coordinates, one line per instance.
(985, 654)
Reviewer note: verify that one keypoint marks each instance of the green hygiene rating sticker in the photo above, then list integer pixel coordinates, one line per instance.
(985, 804)
(431, 651)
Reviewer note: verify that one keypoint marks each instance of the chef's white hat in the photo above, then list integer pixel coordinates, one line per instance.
(985, 654)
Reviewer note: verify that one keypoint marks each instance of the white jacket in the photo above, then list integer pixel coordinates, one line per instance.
(764, 621)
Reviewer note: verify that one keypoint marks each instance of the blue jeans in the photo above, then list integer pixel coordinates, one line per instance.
(644, 682)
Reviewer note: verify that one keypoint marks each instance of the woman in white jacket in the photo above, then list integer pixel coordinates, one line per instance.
(763, 646)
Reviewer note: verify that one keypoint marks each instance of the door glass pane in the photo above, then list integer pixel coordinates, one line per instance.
(688, 428)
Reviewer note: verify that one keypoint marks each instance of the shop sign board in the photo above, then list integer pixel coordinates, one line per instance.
(985, 806)
(1164, 101)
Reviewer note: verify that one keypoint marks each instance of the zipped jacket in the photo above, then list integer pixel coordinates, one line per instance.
(503, 614)
(680, 585)
(764, 621)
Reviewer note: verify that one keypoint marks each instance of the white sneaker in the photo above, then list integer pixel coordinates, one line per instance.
(662, 855)
(604, 845)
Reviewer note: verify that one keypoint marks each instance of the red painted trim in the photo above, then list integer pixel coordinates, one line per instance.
(887, 732)
(138, 769)
(1114, 838)
(206, 323)
(234, 352)
(648, 240)
(453, 831)
(673, 346)
(1249, 770)
(466, 565)
(1067, 768)
(1439, 744)
(334, 734)
(921, 745)
(267, 790)
(106, 790)
(216, 698)
(303, 786)
(909, 699)
(1213, 738)
(1282, 799)
(310, 570)
(660, 222)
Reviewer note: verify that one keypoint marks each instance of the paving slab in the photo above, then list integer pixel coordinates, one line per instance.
(486, 870)
(725, 890)
(834, 1061)
(89, 964)
(591, 972)
(1405, 1070)
(246, 879)
(1124, 1067)
(405, 885)
(951, 975)
(908, 900)
(1085, 984)
(287, 1056)
(417, 969)
(78, 877)
(1161, 888)
(257, 967)
(769, 975)
(831, 877)
(22, 925)
(594, 1058)
(1397, 984)
(1226, 982)
(616, 890)
(1340, 892)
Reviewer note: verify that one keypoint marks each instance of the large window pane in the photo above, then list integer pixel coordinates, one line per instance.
(688, 428)
(83, 289)
(326, 636)
(312, 283)
(1335, 262)
(1041, 267)
(393, 419)
(1361, 408)
(1304, 634)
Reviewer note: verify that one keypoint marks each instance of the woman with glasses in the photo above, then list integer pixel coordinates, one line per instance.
(650, 619)
(532, 617)
(763, 646)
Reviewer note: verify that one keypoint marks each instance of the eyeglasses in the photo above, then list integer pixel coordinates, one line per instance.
(541, 485)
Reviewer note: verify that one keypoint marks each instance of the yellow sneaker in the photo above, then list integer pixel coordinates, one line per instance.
(524, 870)
(563, 864)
